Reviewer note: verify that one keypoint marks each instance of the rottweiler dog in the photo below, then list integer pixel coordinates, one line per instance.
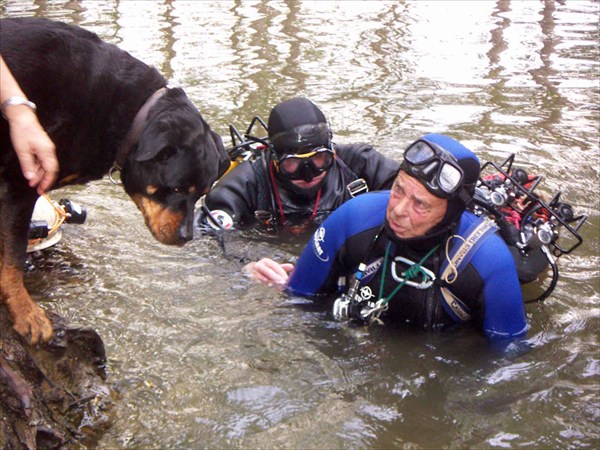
(102, 108)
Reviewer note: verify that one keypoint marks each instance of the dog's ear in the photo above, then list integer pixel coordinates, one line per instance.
(150, 145)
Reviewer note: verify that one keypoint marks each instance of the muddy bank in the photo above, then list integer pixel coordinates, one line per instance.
(56, 395)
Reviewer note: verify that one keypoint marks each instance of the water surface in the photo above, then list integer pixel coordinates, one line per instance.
(204, 358)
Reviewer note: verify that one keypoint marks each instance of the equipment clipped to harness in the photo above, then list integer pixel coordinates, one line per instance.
(537, 232)
(352, 306)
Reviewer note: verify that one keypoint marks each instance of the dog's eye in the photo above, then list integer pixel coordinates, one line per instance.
(179, 190)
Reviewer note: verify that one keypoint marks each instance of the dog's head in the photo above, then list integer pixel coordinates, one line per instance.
(176, 161)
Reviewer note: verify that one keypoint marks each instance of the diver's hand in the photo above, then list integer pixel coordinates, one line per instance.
(269, 272)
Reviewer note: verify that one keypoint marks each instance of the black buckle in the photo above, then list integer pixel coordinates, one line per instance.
(357, 187)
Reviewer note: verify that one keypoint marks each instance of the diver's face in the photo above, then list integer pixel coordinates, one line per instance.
(309, 184)
(412, 210)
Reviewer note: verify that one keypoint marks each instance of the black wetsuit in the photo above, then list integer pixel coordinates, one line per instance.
(248, 194)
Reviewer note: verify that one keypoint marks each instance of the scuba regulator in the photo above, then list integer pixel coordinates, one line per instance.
(347, 306)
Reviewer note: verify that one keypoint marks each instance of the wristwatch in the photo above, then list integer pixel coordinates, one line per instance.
(12, 101)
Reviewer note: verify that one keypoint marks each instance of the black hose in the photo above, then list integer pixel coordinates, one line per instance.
(553, 283)
(506, 230)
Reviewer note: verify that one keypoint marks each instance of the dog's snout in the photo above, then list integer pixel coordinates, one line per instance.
(186, 230)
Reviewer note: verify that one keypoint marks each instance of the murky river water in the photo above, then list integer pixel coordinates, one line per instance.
(204, 358)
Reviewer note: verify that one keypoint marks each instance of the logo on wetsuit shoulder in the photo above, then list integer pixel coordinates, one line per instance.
(318, 239)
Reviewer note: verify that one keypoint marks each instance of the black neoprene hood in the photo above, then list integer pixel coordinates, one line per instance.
(469, 163)
(297, 126)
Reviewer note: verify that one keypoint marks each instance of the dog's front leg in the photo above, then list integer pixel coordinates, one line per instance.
(16, 206)
(29, 319)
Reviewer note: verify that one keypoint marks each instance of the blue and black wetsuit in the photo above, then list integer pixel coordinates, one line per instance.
(356, 233)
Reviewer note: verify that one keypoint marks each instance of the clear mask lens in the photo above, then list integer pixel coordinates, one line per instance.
(419, 153)
(307, 165)
(434, 166)
(449, 178)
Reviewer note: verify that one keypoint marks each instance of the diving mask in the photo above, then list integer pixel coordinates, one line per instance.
(436, 168)
(305, 166)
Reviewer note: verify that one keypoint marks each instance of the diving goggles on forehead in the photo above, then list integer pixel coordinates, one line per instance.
(436, 168)
(305, 166)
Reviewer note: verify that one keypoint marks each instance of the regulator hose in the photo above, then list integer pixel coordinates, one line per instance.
(554, 281)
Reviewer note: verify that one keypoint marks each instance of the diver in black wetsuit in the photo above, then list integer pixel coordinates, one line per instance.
(300, 178)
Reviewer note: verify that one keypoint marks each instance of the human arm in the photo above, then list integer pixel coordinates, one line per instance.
(335, 249)
(34, 148)
(269, 272)
(236, 194)
(503, 308)
(366, 162)
(316, 264)
(338, 246)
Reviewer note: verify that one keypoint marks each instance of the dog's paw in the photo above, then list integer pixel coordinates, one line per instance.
(34, 326)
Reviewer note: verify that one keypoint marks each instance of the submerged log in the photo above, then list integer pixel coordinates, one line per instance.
(55, 395)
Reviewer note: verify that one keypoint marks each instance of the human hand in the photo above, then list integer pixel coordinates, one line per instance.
(34, 148)
(269, 272)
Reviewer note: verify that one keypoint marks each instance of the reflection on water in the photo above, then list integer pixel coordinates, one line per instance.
(203, 357)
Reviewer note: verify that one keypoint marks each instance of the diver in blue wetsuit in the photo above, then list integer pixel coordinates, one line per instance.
(413, 254)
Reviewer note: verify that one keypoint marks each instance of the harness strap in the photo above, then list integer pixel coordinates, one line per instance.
(459, 258)
(354, 184)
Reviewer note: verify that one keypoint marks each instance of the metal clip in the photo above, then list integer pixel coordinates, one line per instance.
(375, 310)
(428, 275)
(114, 174)
(357, 187)
(341, 308)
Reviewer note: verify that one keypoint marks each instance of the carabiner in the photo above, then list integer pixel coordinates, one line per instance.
(428, 275)
(375, 310)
